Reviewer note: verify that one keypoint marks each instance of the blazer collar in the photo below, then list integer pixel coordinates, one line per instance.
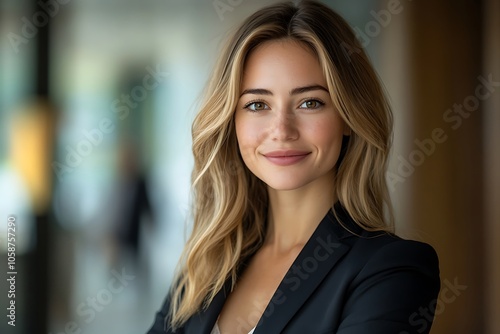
(321, 252)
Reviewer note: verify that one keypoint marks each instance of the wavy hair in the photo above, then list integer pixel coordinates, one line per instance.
(230, 203)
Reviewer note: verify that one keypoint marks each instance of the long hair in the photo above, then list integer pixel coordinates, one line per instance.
(230, 203)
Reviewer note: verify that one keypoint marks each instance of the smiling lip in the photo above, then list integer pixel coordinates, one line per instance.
(286, 158)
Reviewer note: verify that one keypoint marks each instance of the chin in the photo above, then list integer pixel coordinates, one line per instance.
(284, 184)
(286, 181)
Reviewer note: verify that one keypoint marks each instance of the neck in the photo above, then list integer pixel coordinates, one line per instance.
(294, 214)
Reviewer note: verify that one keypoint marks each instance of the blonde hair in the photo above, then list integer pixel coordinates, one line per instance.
(230, 203)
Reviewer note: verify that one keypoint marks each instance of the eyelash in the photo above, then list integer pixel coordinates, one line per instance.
(247, 106)
(320, 102)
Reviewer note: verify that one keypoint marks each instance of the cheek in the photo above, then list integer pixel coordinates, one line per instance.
(326, 133)
(247, 133)
(247, 141)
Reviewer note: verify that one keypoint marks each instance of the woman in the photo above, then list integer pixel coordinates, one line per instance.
(290, 151)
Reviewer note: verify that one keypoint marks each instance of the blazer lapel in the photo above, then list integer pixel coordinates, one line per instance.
(314, 262)
(322, 251)
(204, 321)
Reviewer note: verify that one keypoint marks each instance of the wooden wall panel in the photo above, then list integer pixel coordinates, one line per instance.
(444, 143)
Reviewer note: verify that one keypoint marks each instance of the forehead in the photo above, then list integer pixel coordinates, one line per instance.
(282, 63)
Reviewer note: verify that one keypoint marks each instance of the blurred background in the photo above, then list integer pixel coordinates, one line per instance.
(96, 103)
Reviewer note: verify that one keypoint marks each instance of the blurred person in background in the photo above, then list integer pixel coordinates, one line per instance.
(132, 205)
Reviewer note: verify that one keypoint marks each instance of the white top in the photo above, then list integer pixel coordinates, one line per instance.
(216, 330)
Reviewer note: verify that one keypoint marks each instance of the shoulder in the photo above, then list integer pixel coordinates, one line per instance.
(384, 251)
(389, 265)
(368, 252)
(379, 246)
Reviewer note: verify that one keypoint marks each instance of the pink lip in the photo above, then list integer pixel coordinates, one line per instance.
(286, 158)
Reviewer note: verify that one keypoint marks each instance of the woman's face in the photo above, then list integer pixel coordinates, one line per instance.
(289, 133)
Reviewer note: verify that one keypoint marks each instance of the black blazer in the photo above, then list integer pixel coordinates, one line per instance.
(373, 283)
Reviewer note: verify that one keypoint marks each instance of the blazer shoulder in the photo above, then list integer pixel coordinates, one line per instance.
(390, 253)
(393, 278)
(369, 249)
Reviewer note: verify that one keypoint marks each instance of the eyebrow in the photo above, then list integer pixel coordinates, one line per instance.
(298, 90)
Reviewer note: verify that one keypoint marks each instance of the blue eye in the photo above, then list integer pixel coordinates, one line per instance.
(311, 104)
(256, 106)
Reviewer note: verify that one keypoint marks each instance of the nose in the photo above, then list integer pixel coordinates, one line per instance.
(284, 127)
